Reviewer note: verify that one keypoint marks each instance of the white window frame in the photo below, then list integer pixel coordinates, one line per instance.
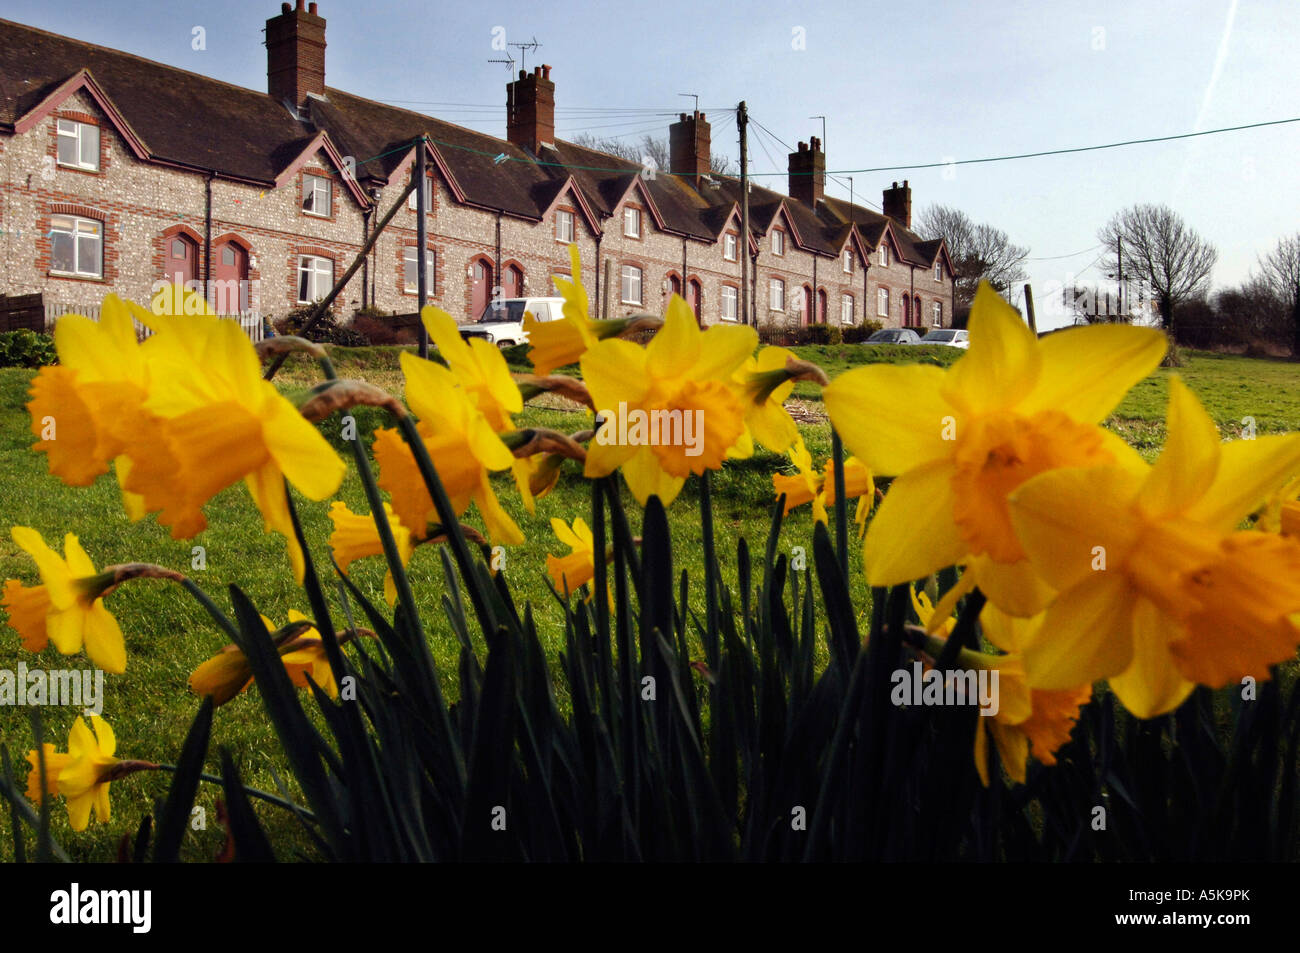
(730, 244)
(846, 308)
(730, 295)
(412, 200)
(410, 257)
(312, 186)
(77, 227)
(936, 313)
(628, 275)
(938, 270)
(632, 217)
(776, 294)
(882, 302)
(79, 132)
(778, 243)
(317, 268)
(563, 224)
(883, 255)
(848, 261)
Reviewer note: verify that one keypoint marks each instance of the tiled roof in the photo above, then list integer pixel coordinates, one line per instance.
(202, 123)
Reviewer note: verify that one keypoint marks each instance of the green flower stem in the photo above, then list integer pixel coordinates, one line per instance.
(251, 792)
(710, 572)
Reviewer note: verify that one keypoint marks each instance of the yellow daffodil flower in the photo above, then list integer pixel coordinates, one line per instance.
(682, 375)
(87, 410)
(764, 386)
(959, 441)
(577, 568)
(82, 775)
(808, 485)
(301, 649)
(356, 537)
(222, 423)
(1157, 588)
(479, 368)
(462, 444)
(1290, 519)
(75, 614)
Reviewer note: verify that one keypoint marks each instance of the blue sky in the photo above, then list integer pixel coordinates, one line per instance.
(899, 84)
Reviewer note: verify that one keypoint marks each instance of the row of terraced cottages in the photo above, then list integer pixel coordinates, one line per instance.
(117, 173)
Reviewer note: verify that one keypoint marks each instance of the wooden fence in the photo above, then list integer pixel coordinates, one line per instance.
(250, 321)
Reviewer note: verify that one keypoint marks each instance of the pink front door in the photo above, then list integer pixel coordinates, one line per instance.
(181, 262)
(480, 286)
(807, 315)
(693, 297)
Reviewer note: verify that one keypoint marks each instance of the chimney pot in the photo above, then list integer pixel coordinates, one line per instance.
(531, 120)
(689, 147)
(898, 204)
(295, 54)
(300, 5)
(311, 8)
(285, 8)
(807, 174)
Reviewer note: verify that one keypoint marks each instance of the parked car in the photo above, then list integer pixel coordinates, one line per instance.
(894, 336)
(502, 322)
(950, 337)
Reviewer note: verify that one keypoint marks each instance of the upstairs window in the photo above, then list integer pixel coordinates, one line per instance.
(884, 255)
(632, 222)
(76, 246)
(778, 243)
(316, 195)
(563, 226)
(729, 246)
(848, 261)
(412, 200)
(78, 145)
(938, 270)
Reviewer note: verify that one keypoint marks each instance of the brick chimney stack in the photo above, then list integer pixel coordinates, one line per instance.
(808, 173)
(530, 106)
(295, 54)
(689, 147)
(898, 204)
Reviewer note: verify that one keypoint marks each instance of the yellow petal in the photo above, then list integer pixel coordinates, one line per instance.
(1002, 364)
(912, 533)
(892, 417)
(301, 453)
(1087, 371)
(1249, 471)
(723, 348)
(103, 637)
(675, 348)
(1086, 635)
(1190, 458)
(646, 478)
(1152, 684)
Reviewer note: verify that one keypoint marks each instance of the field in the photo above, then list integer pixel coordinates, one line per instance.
(168, 635)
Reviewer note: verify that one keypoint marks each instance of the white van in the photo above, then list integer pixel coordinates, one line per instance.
(502, 321)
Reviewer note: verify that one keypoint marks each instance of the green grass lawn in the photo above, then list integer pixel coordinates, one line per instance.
(168, 634)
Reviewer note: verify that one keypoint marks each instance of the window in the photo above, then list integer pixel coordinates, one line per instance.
(632, 222)
(315, 278)
(412, 200)
(778, 243)
(316, 195)
(563, 226)
(411, 270)
(846, 309)
(728, 303)
(884, 255)
(729, 246)
(78, 145)
(776, 295)
(630, 288)
(228, 257)
(882, 302)
(936, 313)
(76, 246)
(938, 270)
(848, 261)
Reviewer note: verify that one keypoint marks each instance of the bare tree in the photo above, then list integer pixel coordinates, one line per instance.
(1280, 269)
(656, 150)
(1163, 251)
(978, 251)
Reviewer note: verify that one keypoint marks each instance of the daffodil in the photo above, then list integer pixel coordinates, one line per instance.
(221, 422)
(87, 409)
(479, 368)
(356, 537)
(959, 441)
(1029, 723)
(682, 378)
(462, 444)
(84, 774)
(75, 615)
(301, 649)
(808, 485)
(1158, 589)
(575, 569)
(764, 384)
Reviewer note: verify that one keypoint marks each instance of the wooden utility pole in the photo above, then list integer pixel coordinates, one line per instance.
(421, 251)
(742, 246)
(1119, 254)
(1029, 308)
